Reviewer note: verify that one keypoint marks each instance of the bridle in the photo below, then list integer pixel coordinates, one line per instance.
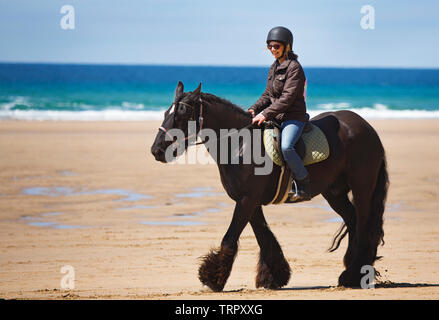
(200, 121)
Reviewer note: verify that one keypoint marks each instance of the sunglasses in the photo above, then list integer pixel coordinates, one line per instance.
(273, 46)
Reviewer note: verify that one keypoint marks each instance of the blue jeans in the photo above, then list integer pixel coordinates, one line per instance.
(291, 131)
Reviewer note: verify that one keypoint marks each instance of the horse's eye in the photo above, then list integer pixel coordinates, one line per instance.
(181, 109)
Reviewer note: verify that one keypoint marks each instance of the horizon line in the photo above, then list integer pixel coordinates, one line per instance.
(213, 65)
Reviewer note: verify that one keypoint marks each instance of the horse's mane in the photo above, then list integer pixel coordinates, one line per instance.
(213, 99)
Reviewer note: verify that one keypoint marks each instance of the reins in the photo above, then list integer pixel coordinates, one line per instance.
(201, 120)
(226, 136)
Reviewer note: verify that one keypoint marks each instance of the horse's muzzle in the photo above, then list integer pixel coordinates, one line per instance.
(158, 153)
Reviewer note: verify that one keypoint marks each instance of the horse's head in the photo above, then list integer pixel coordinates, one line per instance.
(185, 108)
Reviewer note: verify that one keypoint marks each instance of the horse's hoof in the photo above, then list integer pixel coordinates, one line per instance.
(264, 279)
(216, 267)
(272, 280)
(349, 279)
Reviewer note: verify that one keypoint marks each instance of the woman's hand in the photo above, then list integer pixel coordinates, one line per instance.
(259, 119)
(252, 112)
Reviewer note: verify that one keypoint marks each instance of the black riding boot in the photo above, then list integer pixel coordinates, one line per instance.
(303, 188)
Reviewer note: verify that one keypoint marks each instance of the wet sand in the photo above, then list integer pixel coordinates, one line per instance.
(91, 196)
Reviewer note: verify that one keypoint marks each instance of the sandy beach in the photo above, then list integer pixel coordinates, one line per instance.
(91, 196)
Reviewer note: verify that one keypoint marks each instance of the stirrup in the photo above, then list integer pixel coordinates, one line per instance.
(294, 197)
(296, 191)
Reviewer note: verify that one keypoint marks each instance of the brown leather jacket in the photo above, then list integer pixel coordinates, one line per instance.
(283, 98)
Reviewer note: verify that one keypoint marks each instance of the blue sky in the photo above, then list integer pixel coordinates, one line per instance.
(205, 32)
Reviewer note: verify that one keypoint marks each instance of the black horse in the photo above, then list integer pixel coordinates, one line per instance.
(356, 163)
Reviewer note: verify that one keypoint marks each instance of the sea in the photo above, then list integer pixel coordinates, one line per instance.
(92, 92)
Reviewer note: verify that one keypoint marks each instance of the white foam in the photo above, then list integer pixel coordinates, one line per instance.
(133, 106)
(377, 112)
(15, 100)
(334, 106)
(382, 112)
(105, 115)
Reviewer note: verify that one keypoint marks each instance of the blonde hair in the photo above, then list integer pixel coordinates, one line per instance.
(287, 49)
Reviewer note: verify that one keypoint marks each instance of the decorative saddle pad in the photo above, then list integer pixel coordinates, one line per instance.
(316, 149)
(316, 145)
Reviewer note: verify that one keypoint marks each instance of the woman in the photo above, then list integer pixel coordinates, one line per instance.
(284, 100)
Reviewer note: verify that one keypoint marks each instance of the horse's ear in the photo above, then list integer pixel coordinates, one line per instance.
(198, 90)
(179, 90)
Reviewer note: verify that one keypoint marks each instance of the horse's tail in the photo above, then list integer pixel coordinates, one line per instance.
(377, 209)
(338, 237)
(376, 221)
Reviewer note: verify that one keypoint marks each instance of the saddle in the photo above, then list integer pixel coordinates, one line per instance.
(312, 147)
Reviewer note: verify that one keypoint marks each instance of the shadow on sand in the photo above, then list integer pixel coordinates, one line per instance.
(390, 284)
(378, 285)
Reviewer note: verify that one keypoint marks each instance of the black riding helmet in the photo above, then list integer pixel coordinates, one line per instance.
(280, 34)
